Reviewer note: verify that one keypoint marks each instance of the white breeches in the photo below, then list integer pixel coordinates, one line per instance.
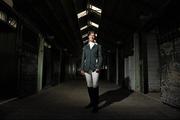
(92, 79)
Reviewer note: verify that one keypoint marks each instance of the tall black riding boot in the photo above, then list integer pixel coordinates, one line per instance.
(95, 99)
(90, 92)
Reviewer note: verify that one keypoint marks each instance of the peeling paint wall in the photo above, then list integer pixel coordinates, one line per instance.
(170, 67)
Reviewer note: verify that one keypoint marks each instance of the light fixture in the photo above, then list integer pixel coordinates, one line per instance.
(3, 16)
(82, 14)
(83, 27)
(93, 24)
(95, 8)
(85, 35)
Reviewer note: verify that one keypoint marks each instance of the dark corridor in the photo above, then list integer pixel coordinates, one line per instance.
(41, 47)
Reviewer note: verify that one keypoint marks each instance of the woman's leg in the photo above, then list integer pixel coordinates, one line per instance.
(89, 80)
(95, 78)
(90, 89)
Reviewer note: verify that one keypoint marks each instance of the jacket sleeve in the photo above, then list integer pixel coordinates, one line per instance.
(100, 58)
(82, 59)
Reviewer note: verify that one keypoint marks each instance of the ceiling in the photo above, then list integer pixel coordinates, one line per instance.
(117, 22)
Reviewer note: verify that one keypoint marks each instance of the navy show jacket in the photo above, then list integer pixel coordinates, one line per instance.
(91, 58)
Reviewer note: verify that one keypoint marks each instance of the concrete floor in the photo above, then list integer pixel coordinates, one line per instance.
(67, 101)
(154, 95)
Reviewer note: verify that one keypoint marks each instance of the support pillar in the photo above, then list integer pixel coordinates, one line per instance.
(40, 62)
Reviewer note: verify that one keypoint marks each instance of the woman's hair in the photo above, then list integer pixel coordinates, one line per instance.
(90, 32)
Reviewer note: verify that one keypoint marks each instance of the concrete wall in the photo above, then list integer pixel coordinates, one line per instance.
(131, 67)
(170, 72)
(130, 72)
(28, 63)
(170, 67)
(153, 62)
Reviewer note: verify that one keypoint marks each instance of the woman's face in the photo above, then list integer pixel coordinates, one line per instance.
(91, 37)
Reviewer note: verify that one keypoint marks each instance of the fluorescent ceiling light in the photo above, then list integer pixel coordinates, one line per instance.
(83, 27)
(82, 14)
(12, 22)
(93, 24)
(85, 35)
(3, 16)
(95, 8)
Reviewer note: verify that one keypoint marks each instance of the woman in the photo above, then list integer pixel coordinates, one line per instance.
(90, 66)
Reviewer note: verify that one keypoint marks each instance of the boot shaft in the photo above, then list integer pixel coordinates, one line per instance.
(95, 99)
(96, 95)
(90, 92)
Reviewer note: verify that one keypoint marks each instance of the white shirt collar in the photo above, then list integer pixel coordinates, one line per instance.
(91, 44)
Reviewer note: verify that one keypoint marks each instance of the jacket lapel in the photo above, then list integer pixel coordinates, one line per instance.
(94, 46)
(88, 46)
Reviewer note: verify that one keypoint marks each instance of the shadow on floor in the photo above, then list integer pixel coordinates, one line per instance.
(2, 115)
(113, 96)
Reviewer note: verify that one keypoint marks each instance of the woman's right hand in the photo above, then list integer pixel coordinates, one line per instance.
(82, 72)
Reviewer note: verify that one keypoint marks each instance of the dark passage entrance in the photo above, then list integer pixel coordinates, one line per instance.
(8, 60)
(47, 68)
